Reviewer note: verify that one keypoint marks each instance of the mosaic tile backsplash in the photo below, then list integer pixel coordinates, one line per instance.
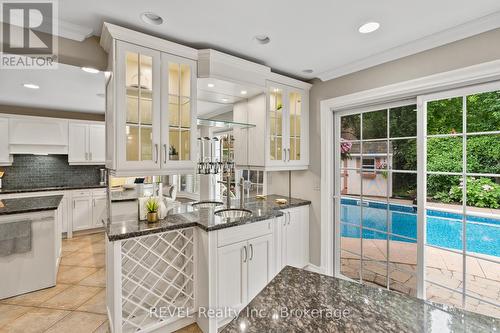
(38, 171)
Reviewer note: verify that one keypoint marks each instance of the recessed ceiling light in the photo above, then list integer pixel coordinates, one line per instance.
(210, 85)
(224, 100)
(369, 27)
(90, 70)
(307, 71)
(262, 39)
(151, 18)
(243, 92)
(31, 86)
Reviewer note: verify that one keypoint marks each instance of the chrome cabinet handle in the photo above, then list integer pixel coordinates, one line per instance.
(246, 254)
(86, 156)
(251, 251)
(289, 218)
(165, 153)
(90, 156)
(284, 220)
(288, 154)
(156, 153)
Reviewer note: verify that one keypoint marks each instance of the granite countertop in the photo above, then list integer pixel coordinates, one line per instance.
(297, 300)
(28, 205)
(183, 216)
(44, 189)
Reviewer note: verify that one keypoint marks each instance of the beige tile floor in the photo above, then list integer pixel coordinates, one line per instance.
(77, 303)
(442, 267)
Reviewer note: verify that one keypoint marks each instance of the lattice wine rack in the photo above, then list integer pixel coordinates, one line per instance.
(157, 271)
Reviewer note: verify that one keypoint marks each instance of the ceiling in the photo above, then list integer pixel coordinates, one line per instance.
(66, 88)
(320, 35)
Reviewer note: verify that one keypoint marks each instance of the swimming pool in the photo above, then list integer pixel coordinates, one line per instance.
(443, 229)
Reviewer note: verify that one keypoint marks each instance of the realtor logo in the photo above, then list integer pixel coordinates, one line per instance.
(28, 36)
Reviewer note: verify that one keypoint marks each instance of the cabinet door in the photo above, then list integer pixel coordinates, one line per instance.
(294, 238)
(276, 124)
(178, 112)
(98, 208)
(77, 143)
(82, 213)
(232, 275)
(97, 144)
(297, 128)
(260, 264)
(4, 141)
(138, 103)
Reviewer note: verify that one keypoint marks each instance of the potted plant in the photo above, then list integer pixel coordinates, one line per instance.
(152, 207)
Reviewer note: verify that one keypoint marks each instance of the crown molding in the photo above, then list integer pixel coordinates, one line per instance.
(73, 31)
(475, 74)
(454, 34)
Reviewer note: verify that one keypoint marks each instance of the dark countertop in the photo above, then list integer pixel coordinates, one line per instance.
(28, 205)
(45, 189)
(344, 306)
(184, 216)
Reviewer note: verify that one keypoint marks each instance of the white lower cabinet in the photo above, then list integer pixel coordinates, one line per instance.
(260, 264)
(98, 208)
(294, 232)
(82, 213)
(244, 267)
(232, 276)
(87, 209)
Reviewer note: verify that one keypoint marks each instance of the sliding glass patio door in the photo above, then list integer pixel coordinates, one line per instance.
(376, 183)
(417, 197)
(462, 199)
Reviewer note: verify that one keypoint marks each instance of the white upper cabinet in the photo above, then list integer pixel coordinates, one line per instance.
(86, 143)
(138, 120)
(151, 107)
(287, 127)
(280, 138)
(178, 113)
(97, 143)
(5, 157)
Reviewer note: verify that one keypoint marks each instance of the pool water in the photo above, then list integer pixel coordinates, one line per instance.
(443, 229)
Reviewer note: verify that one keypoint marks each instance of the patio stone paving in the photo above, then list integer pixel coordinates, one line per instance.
(442, 267)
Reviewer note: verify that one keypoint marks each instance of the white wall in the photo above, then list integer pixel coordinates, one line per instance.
(306, 184)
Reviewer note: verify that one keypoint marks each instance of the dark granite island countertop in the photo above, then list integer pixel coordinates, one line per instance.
(297, 300)
(30, 204)
(184, 216)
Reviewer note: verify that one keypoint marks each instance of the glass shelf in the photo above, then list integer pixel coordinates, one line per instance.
(222, 123)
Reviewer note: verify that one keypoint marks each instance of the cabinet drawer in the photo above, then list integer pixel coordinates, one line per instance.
(244, 232)
(99, 192)
(80, 193)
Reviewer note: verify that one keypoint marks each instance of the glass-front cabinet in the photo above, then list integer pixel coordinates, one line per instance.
(178, 112)
(155, 110)
(287, 126)
(138, 107)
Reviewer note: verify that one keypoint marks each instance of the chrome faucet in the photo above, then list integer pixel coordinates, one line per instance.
(227, 183)
(241, 184)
